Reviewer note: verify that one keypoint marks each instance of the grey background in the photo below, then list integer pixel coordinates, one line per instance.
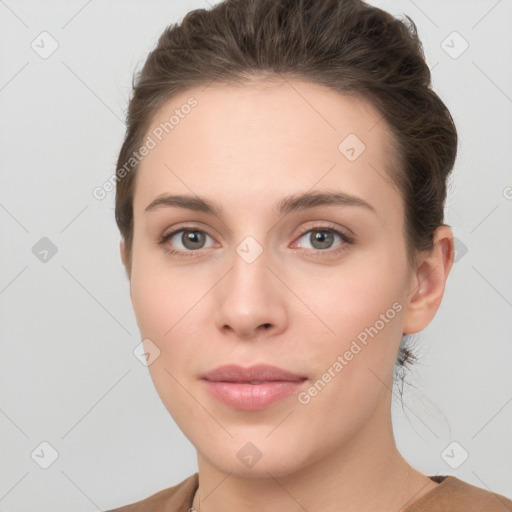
(68, 373)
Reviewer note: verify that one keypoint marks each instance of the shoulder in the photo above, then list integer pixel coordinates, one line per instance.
(173, 499)
(454, 495)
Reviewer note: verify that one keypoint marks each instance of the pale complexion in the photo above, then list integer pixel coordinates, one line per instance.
(246, 149)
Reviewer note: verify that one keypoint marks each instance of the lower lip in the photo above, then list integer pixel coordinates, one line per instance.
(249, 397)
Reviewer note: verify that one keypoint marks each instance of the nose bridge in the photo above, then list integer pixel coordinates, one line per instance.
(249, 263)
(250, 296)
(249, 278)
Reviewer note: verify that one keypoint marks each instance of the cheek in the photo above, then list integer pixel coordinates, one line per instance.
(168, 306)
(152, 303)
(352, 297)
(352, 367)
(161, 295)
(164, 310)
(360, 314)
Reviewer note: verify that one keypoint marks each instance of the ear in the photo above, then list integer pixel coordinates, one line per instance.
(428, 282)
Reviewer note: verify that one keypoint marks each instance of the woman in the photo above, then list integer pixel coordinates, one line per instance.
(280, 196)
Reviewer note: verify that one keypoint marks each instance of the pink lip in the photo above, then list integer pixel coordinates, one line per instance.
(251, 388)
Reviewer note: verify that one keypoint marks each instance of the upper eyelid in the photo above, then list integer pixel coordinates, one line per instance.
(329, 227)
(305, 230)
(185, 228)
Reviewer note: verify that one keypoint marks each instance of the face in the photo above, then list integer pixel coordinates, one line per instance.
(253, 271)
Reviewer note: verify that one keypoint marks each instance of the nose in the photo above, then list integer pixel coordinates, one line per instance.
(251, 300)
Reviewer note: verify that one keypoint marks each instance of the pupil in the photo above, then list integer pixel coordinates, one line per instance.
(321, 239)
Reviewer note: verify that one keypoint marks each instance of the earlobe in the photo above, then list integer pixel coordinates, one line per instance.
(428, 282)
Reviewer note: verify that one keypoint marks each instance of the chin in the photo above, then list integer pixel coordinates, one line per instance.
(261, 469)
(256, 458)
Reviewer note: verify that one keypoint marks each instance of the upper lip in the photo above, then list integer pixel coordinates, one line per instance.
(259, 372)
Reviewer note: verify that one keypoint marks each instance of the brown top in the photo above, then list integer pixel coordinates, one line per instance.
(450, 495)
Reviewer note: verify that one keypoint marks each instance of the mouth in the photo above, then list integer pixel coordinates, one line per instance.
(252, 388)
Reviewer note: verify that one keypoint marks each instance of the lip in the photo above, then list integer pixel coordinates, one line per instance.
(259, 372)
(253, 388)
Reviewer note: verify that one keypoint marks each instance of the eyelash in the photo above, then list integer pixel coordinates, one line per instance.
(346, 239)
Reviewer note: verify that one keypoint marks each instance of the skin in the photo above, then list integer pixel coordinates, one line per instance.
(246, 148)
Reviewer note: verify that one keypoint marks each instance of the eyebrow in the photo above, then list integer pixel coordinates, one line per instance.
(286, 205)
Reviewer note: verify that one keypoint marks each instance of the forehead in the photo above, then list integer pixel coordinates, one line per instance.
(261, 139)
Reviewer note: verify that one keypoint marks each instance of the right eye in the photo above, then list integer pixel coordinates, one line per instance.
(185, 240)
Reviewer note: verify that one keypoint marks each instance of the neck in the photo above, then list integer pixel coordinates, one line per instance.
(368, 474)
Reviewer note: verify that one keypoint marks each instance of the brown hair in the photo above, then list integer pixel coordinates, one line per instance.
(346, 45)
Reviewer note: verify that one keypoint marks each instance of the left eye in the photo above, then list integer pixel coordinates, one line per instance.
(322, 238)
